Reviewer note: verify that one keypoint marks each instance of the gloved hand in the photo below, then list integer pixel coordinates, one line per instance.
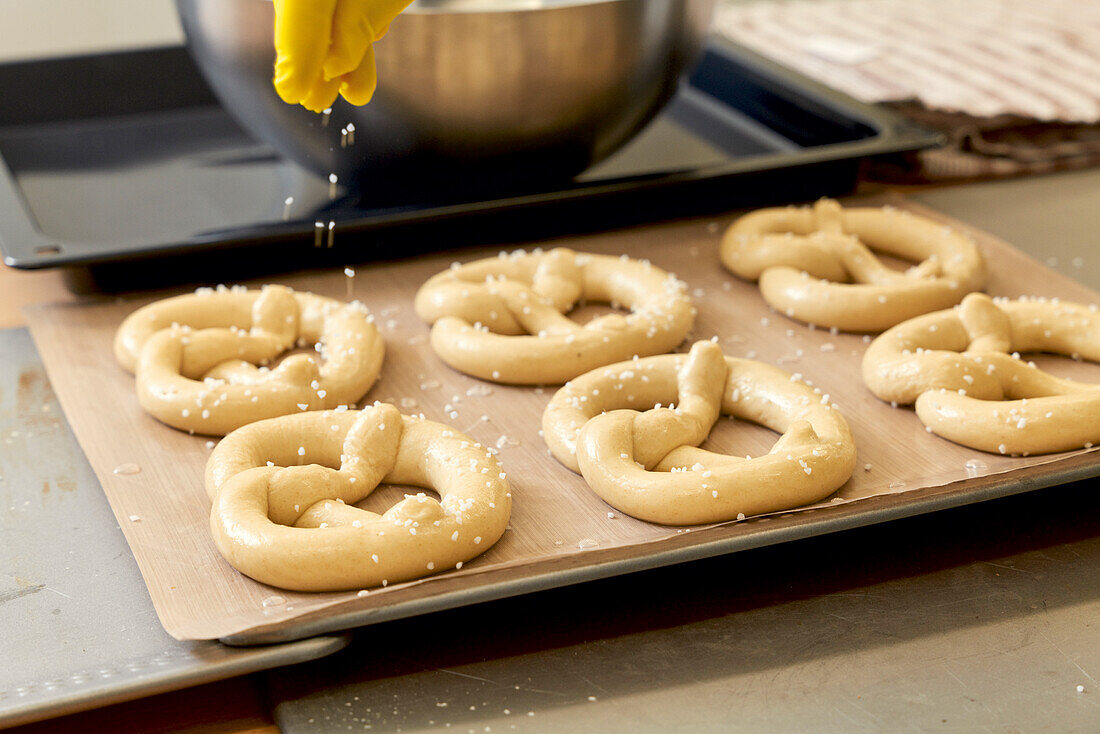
(324, 48)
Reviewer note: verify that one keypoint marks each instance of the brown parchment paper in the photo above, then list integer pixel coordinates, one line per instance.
(557, 522)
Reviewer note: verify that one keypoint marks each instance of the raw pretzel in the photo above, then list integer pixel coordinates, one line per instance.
(502, 318)
(284, 492)
(816, 265)
(963, 370)
(647, 465)
(195, 356)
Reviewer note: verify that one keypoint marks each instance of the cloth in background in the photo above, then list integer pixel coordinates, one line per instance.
(1013, 84)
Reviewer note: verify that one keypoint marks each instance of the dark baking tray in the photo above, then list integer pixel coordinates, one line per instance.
(128, 156)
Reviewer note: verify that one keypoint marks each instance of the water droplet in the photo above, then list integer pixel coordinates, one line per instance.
(974, 467)
(274, 601)
(588, 543)
(127, 469)
(897, 484)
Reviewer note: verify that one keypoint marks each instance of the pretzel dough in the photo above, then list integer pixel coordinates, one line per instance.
(647, 465)
(962, 369)
(294, 525)
(795, 252)
(502, 318)
(195, 356)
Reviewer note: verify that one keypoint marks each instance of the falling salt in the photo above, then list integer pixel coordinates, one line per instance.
(127, 469)
(318, 233)
(333, 179)
(480, 390)
(408, 403)
(349, 274)
(588, 543)
(331, 232)
(430, 385)
(286, 207)
(325, 113)
(974, 467)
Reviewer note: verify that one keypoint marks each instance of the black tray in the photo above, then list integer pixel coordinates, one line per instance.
(124, 157)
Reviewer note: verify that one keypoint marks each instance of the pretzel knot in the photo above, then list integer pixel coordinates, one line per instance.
(647, 465)
(200, 359)
(284, 492)
(503, 318)
(962, 369)
(817, 265)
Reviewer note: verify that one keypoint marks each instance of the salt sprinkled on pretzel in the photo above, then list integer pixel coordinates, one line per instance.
(646, 463)
(200, 360)
(284, 492)
(962, 369)
(816, 264)
(502, 319)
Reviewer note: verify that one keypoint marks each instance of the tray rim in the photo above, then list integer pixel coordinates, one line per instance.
(299, 650)
(893, 134)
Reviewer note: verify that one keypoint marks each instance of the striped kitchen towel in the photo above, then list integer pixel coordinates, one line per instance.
(1014, 84)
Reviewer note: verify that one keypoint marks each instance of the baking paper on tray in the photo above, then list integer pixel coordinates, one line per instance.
(557, 521)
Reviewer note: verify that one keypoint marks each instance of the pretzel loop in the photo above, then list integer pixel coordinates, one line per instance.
(295, 525)
(503, 318)
(200, 360)
(817, 264)
(647, 463)
(961, 369)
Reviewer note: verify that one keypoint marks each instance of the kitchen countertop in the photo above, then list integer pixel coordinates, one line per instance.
(984, 617)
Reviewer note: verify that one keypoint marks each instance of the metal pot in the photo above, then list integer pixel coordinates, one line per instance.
(487, 90)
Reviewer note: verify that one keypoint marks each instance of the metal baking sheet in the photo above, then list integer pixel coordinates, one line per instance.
(78, 628)
(554, 512)
(125, 157)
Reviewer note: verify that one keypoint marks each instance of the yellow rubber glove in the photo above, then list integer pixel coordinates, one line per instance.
(325, 48)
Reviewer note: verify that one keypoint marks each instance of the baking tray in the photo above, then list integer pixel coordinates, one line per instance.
(79, 630)
(560, 532)
(127, 156)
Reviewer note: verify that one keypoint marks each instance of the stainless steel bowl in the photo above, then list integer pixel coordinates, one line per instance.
(492, 90)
